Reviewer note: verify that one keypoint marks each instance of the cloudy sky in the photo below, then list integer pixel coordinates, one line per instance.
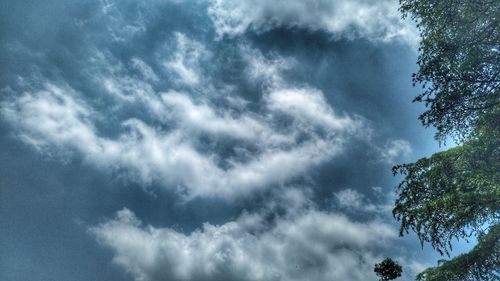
(205, 140)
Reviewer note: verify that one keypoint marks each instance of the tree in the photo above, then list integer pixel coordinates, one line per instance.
(456, 193)
(388, 270)
(478, 264)
(459, 60)
(453, 193)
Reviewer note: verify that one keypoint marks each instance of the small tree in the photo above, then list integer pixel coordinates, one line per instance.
(388, 270)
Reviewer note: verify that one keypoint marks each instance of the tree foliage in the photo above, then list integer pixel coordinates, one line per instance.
(456, 193)
(475, 265)
(388, 270)
(459, 60)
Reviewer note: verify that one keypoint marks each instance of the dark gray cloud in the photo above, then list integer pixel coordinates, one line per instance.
(197, 125)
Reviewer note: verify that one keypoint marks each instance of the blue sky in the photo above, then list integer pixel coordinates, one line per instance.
(205, 140)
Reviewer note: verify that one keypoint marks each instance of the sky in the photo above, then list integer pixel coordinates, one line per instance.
(205, 140)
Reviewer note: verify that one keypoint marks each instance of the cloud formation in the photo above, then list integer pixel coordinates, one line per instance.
(305, 244)
(395, 150)
(352, 201)
(296, 129)
(186, 60)
(372, 20)
(141, 91)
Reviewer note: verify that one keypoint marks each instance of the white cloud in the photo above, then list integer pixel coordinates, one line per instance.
(176, 141)
(265, 70)
(133, 81)
(307, 245)
(353, 201)
(52, 116)
(310, 107)
(265, 154)
(186, 59)
(394, 150)
(203, 118)
(373, 20)
(127, 88)
(350, 198)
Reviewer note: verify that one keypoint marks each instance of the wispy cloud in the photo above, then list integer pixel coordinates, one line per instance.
(185, 63)
(395, 150)
(352, 201)
(372, 20)
(181, 153)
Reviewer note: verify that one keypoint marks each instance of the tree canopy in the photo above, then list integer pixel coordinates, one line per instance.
(456, 193)
(479, 264)
(388, 270)
(459, 60)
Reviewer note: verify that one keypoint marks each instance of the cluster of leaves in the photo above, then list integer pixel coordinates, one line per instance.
(475, 265)
(456, 193)
(388, 270)
(459, 61)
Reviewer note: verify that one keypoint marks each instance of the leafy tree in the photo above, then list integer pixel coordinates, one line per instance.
(456, 193)
(388, 270)
(459, 60)
(475, 265)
